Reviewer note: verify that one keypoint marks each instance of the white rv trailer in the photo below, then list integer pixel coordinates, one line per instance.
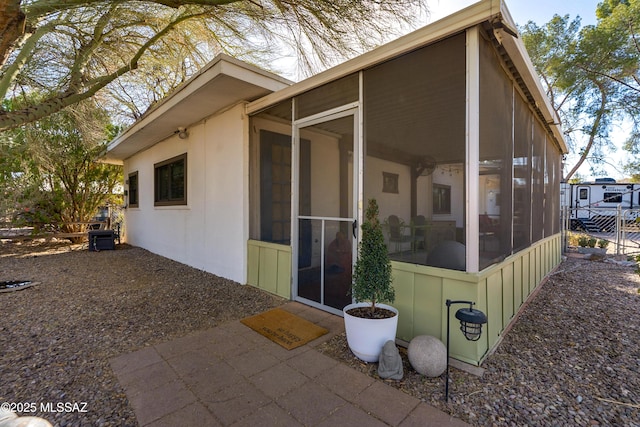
(593, 206)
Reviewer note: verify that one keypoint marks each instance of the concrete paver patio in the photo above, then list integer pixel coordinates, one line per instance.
(232, 376)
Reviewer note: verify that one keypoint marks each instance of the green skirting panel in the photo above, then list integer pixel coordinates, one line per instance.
(499, 291)
(508, 293)
(421, 292)
(269, 267)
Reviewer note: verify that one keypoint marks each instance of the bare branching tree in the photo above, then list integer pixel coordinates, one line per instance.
(66, 51)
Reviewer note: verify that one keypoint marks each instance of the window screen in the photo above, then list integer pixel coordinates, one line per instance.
(414, 130)
(496, 158)
(537, 190)
(330, 95)
(523, 122)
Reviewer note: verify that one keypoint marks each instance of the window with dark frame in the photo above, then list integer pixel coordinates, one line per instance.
(584, 194)
(390, 182)
(441, 199)
(170, 182)
(133, 189)
(612, 198)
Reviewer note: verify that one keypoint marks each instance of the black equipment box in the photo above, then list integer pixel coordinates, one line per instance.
(101, 240)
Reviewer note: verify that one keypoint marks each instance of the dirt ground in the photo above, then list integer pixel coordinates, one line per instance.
(56, 338)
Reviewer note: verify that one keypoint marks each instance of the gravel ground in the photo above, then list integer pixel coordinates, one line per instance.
(572, 358)
(56, 338)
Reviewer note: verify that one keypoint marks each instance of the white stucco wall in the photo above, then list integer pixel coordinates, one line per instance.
(211, 231)
(390, 203)
(400, 204)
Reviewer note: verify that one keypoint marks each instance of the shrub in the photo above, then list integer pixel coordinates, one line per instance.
(572, 238)
(583, 241)
(372, 276)
(587, 241)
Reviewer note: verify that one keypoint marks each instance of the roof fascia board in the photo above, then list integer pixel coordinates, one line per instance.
(455, 23)
(221, 64)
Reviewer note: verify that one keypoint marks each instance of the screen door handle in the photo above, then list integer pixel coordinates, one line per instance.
(355, 228)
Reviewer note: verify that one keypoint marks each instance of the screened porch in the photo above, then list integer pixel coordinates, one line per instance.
(445, 137)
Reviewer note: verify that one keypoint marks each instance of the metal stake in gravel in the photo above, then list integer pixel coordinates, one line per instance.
(471, 321)
(15, 285)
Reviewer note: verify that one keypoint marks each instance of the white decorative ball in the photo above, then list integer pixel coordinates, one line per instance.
(427, 355)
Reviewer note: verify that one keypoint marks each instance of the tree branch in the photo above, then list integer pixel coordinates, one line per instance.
(13, 19)
(21, 59)
(601, 74)
(86, 50)
(43, 7)
(594, 131)
(13, 119)
(12, 27)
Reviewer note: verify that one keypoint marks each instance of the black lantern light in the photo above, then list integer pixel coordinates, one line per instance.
(471, 321)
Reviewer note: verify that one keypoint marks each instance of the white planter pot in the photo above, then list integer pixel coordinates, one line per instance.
(366, 337)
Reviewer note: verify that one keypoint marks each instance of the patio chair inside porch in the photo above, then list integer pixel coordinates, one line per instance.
(419, 231)
(397, 233)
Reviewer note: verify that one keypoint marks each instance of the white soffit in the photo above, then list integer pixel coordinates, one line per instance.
(224, 82)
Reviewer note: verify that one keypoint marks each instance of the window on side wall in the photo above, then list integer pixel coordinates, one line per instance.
(170, 181)
(441, 199)
(133, 189)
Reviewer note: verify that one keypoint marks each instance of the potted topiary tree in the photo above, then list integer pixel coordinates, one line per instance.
(369, 323)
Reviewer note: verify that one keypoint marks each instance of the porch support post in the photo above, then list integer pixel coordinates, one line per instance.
(358, 161)
(414, 192)
(345, 201)
(295, 174)
(472, 142)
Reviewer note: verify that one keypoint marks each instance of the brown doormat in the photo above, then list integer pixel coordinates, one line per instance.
(284, 328)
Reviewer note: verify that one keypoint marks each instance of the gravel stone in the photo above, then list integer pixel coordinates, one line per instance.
(571, 358)
(56, 338)
(577, 338)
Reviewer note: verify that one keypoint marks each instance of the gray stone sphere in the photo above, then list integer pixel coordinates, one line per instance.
(427, 355)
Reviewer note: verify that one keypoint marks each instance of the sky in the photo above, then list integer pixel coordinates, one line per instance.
(541, 12)
(522, 11)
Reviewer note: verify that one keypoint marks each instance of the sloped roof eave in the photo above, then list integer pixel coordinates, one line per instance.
(224, 82)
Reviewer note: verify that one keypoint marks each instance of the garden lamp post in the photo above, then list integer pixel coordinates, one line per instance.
(471, 321)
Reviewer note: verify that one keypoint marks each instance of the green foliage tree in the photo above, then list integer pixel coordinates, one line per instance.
(632, 169)
(591, 76)
(71, 50)
(51, 170)
(372, 273)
